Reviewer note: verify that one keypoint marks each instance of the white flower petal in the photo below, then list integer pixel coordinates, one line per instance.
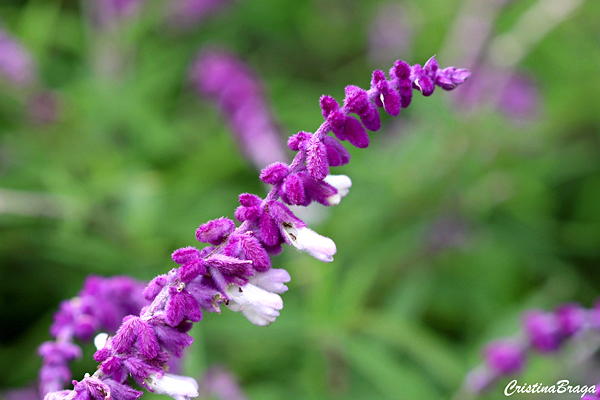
(177, 386)
(100, 340)
(261, 307)
(272, 280)
(341, 182)
(320, 247)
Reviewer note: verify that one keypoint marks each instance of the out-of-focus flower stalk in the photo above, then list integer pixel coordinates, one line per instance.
(239, 95)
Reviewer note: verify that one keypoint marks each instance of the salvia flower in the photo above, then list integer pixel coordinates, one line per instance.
(543, 333)
(235, 269)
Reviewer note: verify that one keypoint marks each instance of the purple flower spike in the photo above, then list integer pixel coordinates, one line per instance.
(505, 357)
(542, 330)
(235, 269)
(384, 96)
(316, 160)
(215, 231)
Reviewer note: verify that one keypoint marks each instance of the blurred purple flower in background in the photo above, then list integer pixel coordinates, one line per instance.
(390, 33)
(16, 64)
(184, 14)
(514, 93)
(20, 394)
(542, 333)
(239, 95)
(219, 383)
(106, 14)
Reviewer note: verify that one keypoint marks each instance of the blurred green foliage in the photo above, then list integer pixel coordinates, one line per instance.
(456, 223)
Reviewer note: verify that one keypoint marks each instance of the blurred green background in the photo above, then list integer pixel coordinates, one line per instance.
(465, 211)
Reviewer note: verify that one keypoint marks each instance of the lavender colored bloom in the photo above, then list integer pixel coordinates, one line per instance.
(520, 98)
(239, 95)
(16, 64)
(505, 357)
(543, 330)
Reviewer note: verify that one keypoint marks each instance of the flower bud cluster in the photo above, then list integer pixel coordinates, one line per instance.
(542, 332)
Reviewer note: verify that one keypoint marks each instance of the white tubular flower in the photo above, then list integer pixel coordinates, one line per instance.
(342, 183)
(177, 386)
(259, 306)
(320, 247)
(100, 340)
(272, 280)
